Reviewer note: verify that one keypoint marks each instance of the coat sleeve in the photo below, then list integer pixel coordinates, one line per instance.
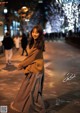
(30, 58)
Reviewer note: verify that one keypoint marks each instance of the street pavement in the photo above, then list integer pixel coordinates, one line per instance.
(61, 92)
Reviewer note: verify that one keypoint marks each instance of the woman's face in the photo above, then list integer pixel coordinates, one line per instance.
(35, 34)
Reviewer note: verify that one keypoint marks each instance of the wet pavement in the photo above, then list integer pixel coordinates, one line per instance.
(61, 92)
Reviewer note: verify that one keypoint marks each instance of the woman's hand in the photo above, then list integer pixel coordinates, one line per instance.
(20, 67)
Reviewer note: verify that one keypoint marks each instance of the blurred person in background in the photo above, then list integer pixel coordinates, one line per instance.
(17, 42)
(8, 45)
(24, 43)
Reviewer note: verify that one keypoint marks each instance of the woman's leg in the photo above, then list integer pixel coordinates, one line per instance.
(10, 56)
(22, 51)
(6, 56)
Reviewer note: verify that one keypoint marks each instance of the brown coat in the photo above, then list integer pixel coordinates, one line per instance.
(34, 61)
(29, 98)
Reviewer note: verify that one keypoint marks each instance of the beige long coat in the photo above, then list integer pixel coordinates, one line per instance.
(29, 98)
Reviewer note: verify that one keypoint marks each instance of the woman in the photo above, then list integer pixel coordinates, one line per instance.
(29, 98)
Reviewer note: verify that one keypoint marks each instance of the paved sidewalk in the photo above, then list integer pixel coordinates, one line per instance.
(61, 91)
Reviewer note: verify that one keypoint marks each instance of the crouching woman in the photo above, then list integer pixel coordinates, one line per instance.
(29, 98)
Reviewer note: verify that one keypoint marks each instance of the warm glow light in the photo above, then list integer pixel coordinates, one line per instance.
(27, 20)
(24, 9)
(5, 10)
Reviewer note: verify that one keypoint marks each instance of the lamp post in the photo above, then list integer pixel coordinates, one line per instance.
(6, 22)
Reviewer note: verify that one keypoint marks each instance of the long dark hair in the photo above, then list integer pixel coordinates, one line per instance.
(39, 41)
